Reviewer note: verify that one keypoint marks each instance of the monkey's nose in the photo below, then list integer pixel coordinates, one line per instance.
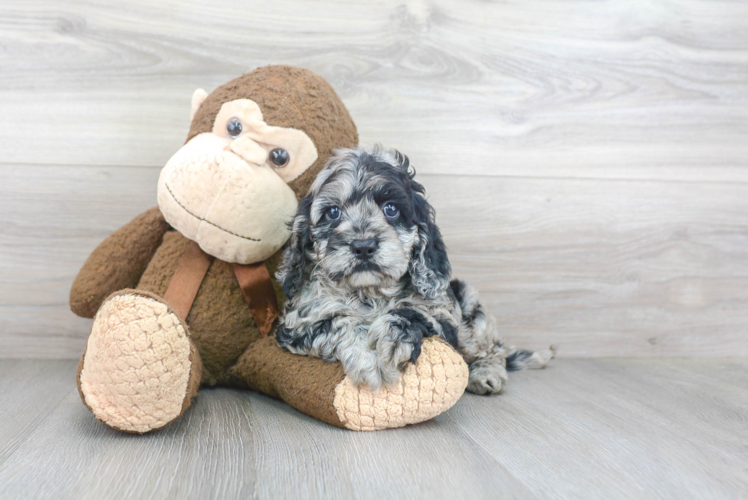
(249, 150)
(364, 249)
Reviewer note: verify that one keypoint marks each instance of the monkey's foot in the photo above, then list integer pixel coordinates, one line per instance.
(139, 370)
(320, 389)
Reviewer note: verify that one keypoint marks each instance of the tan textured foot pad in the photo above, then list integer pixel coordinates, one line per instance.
(137, 373)
(425, 390)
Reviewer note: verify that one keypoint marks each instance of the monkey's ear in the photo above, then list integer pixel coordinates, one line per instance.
(197, 99)
(292, 271)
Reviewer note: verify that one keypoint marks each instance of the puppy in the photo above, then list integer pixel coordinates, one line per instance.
(367, 277)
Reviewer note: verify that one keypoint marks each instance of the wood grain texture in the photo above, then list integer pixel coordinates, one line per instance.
(656, 428)
(30, 392)
(587, 159)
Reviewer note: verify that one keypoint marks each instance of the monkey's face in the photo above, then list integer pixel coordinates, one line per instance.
(228, 189)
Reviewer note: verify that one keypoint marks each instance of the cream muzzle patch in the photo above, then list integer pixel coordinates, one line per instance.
(223, 192)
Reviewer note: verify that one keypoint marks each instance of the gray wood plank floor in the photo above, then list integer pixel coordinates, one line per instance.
(655, 428)
(587, 160)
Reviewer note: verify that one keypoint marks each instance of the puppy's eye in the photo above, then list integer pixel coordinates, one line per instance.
(234, 128)
(390, 211)
(333, 213)
(279, 157)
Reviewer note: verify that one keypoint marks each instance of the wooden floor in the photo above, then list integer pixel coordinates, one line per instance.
(602, 428)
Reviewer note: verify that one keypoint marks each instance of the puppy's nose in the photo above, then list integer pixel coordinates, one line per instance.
(364, 249)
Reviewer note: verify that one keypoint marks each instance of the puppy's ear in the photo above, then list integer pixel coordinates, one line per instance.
(403, 163)
(291, 272)
(429, 266)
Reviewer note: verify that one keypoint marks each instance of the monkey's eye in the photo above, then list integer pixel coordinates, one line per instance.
(279, 157)
(333, 213)
(390, 211)
(234, 128)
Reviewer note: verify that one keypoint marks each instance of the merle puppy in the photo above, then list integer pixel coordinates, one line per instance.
(367, 277)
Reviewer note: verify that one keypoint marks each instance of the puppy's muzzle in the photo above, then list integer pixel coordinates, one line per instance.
(364, 249)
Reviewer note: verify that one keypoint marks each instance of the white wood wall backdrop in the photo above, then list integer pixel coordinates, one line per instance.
(588, 160)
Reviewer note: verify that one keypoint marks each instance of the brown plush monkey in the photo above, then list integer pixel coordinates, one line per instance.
(182, 296)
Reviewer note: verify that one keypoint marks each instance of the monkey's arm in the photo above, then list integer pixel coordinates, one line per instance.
(118, 262)
(321, 389)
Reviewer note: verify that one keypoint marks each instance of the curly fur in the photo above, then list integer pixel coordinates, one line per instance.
(372, 313)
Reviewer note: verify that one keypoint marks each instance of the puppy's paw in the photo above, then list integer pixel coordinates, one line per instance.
(394, 357)
(363, 367)
(487, 376)
(380, 364)
(398, 347)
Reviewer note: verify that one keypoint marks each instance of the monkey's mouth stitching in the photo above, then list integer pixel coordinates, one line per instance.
(206, 220)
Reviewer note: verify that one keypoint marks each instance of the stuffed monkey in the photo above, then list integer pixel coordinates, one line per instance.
(183, 295)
